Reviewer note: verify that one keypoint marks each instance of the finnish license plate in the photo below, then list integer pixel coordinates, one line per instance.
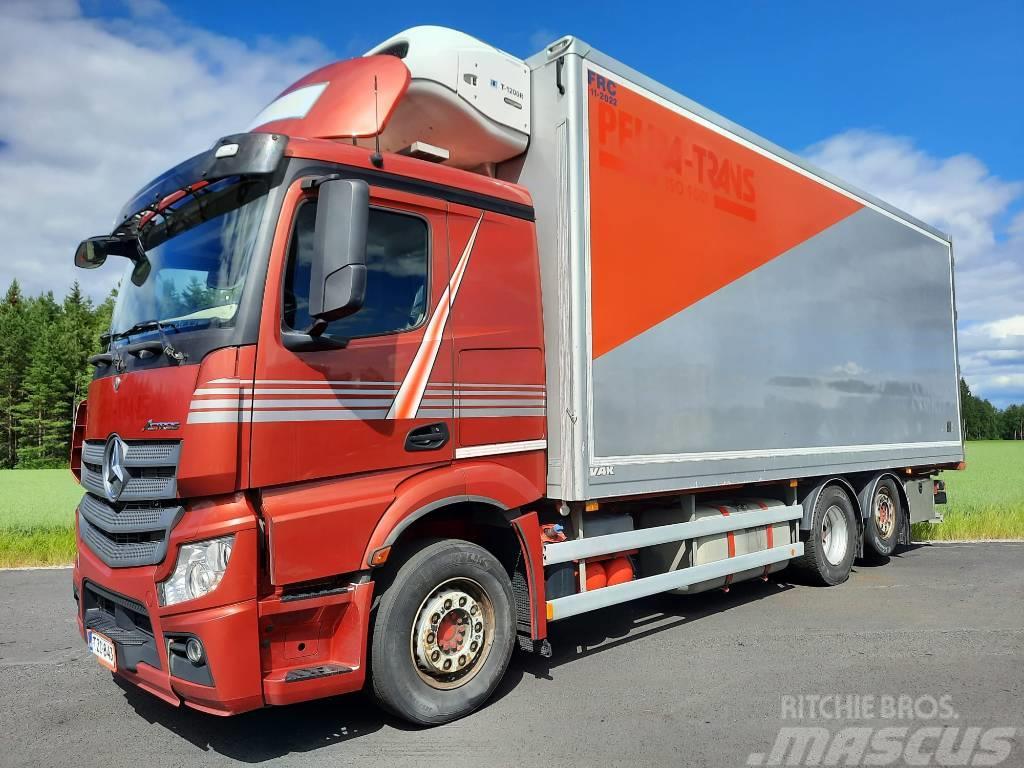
(102, 648)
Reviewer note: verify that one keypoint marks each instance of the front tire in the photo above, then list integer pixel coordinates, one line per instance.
(444, 633)
(830, 546)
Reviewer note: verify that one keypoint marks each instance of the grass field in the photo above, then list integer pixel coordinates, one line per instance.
(37, 516)
(986, 501)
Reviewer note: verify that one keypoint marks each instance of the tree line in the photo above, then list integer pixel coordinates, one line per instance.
(44, 348)
(44, 374)
(983, 421)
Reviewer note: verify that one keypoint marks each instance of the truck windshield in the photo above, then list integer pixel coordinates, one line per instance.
(199, 250)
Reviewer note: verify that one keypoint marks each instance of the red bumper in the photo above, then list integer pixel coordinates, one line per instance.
(227, 630)
(250, 645)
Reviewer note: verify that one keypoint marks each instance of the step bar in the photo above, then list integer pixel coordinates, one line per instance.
(564, 607)
(579, 549)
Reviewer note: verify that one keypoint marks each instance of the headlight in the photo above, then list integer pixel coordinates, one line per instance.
(200, 567)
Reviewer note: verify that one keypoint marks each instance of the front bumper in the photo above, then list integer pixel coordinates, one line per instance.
(121, 604)
(276, 650)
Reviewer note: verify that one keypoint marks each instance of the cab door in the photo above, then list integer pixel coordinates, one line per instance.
(341, 409)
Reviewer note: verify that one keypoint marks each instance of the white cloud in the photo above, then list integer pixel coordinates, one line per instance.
(962, 197)
(93, 109)
(849, 368)
(1006, 328)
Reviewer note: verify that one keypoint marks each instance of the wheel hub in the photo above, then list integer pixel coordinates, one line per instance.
(885, 516)
(450, 633)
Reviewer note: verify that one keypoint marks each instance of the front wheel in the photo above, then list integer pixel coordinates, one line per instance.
(444, 633)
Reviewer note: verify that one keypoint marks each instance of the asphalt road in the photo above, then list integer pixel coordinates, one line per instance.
(671, 681)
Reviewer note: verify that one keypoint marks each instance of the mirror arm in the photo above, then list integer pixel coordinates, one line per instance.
(312, 182)
(297, 341)
(317, 328)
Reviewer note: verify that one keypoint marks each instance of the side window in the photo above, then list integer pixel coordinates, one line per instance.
(396, 275)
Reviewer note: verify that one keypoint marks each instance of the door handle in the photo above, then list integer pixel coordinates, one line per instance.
(428, 438)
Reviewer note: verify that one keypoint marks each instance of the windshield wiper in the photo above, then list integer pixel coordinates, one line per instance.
(140, 349)
(140, 327)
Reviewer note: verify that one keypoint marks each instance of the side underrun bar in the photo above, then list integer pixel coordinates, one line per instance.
(564, 607)
(579, 549)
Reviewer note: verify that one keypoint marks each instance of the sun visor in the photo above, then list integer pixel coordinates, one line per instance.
(338, 101)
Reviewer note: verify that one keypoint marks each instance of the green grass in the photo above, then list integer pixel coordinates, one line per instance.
(986, 500)
(37, 517)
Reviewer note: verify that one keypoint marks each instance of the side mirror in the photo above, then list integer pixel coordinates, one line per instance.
(338, 274)
(92, 253)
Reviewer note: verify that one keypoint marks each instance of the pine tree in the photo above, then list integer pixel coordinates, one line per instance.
(13, 362)
(37, 414)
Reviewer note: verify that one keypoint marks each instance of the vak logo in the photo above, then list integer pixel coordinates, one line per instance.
(602, 471)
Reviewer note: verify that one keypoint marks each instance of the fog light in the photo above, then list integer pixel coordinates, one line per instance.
(194, 650)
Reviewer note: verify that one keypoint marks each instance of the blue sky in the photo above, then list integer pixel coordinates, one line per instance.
(917, 102)
(944, 73)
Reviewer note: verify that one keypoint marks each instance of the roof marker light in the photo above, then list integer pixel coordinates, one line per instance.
(226, 150)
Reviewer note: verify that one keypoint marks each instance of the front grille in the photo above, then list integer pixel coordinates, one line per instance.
(134, 529)
(157, 453)
(123, 620)
(151, 465)
(130, 536)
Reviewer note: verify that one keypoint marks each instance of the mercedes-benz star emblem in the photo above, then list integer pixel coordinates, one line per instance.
(115, 477)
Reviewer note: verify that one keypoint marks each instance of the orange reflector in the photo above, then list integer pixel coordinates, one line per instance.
(909, 471)
(551, 611)
(962, 465)
(792, 483)
(591, 506)
(380, 556)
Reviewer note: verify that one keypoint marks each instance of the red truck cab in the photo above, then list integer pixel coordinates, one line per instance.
(252, 453)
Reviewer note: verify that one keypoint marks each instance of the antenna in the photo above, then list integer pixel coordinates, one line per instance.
(376, 158)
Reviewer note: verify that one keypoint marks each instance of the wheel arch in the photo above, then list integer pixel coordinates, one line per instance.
(868, 490)
(810, 498)
(439, 504)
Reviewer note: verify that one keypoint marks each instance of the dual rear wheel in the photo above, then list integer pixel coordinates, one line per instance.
(831, 544)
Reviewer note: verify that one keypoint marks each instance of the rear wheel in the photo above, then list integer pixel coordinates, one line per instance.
(882, 526)
(443, 634)
(829, 549)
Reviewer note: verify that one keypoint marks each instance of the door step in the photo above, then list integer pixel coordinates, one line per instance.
(312, 673)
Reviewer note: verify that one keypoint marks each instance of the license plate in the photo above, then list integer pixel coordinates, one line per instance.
(103, 649)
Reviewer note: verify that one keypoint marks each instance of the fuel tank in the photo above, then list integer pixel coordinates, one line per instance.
(708, 549)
